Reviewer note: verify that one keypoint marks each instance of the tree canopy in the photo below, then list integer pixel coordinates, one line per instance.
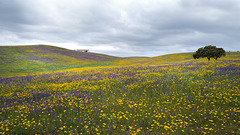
(209, 52)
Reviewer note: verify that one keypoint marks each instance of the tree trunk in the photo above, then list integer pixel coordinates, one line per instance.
(208, 58)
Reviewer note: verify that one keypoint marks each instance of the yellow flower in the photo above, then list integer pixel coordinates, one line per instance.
(166, 127)
(130, 127)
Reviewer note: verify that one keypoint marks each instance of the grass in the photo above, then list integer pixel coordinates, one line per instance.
(169, 94)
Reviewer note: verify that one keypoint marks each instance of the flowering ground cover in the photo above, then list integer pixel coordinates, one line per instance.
(184, 97)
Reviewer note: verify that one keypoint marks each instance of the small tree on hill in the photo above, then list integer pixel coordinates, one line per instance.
(209, 52)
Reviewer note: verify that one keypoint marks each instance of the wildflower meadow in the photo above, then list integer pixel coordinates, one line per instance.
(149, 96)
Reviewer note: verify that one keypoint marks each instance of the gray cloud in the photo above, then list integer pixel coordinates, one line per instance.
(122, 28)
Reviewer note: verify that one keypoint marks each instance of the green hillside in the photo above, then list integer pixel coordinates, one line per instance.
(28, 59)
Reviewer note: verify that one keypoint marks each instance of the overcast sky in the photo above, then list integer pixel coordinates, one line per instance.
(122, 27)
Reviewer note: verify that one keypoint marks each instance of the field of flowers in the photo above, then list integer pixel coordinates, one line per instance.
(149, 96)
(195, 97)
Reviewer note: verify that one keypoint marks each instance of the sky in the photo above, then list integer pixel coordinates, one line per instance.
(122, 27)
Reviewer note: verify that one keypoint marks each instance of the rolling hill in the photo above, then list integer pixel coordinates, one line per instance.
(15, 60)
(27, 59)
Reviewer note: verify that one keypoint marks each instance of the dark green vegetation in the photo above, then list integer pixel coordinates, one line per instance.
(209, 52)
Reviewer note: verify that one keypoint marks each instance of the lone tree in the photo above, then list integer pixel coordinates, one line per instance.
(209, 52)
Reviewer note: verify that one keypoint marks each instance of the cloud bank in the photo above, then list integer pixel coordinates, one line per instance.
(122, 27)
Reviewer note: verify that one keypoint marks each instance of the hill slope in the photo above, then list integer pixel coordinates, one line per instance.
(27, 59)
(50, 54)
